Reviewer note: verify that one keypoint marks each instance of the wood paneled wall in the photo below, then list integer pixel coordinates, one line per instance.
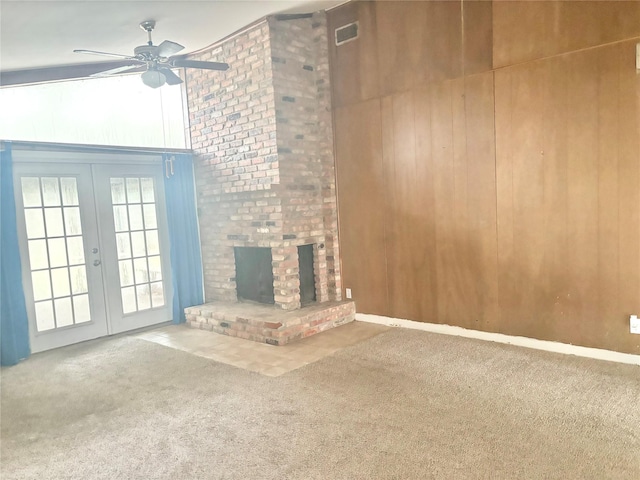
(487, 179)
(530, 30)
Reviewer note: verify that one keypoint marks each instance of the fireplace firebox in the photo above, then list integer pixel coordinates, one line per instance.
(254, 274)
(306, 275)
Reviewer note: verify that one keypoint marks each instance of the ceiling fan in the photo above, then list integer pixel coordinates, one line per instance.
(156, 61)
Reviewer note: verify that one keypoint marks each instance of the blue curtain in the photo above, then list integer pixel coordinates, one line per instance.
(14, 327)
(186, 261)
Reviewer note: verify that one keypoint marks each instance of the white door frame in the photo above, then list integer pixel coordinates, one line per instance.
(118, 321)
(97, 326)
(100, 222)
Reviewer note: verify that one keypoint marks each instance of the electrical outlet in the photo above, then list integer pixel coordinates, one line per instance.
(348, 292)
(634, 324)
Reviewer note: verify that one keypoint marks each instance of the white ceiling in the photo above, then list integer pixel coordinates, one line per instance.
(36, 34)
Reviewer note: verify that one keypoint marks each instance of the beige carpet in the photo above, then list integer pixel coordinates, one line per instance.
(403, 405)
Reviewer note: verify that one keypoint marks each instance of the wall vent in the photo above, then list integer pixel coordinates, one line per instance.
(347, 33)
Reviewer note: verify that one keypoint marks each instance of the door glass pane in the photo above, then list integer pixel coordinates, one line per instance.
(55, 284)
(78, 279)
(120, 219)
(69, 191)
(57, 252)
(150, 216)
(133, 190)
(64, 312)
(60, 281)
(143, 297)
(31, 192)
(35, 223)
(53, 218)
(118, 196)
(135, 217)
(81, 310)
(50, 191)
(140, 269)
(123, 245)
(148, 195)
(76, 250)
(157, 295)
(38, 254)
(137, 244)
(155, 270)
(126, 272)
(41, 285)
(153, 247)
(136, 223)
(72, 221)
(129, 300)
(44, 316)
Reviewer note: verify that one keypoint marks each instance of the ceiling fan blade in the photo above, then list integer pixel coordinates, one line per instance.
(105, 54)
(113, 71)
(168, 48)
(172, 78)
(198, 64)
(57, 73)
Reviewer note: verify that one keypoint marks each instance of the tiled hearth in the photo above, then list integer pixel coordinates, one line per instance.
(269, 324)
(262, 358)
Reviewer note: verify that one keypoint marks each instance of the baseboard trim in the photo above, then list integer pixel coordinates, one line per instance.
(556, 347)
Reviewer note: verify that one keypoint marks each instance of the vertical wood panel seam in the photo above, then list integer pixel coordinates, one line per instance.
(466, 148)
(453, 148)
(462, 40)
(386, 210)
(618, 162)
(495, 176)
(435, 205)
(565, 155)
(598, 186)
(638, 186)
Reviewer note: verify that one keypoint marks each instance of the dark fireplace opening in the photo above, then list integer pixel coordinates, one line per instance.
(307, 276)
(254, 274)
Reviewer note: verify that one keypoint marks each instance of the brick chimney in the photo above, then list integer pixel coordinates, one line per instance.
(263, 143)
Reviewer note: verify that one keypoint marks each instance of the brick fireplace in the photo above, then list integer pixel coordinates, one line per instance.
(264, 166)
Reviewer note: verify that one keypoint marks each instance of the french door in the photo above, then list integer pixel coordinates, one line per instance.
(94, 249)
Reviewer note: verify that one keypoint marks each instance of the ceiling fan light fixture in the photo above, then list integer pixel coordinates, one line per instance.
(153, 78)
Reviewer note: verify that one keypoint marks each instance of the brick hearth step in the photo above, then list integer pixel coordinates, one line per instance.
(267, 323)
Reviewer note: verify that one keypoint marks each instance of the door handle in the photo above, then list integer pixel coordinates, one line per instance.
(96, 263)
